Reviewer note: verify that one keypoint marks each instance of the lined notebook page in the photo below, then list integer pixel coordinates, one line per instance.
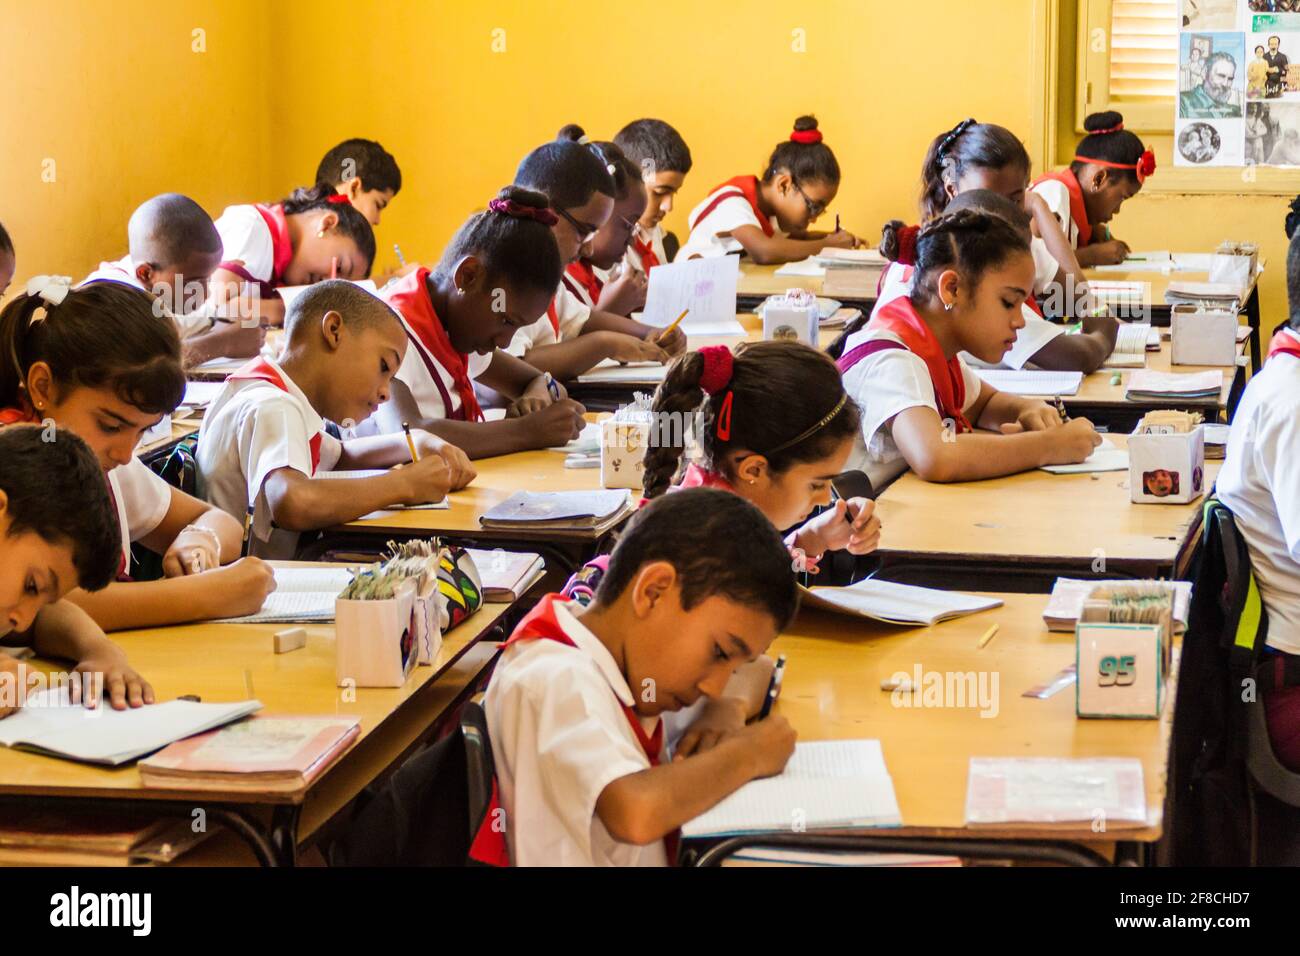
(1032, 382)
(836, 783)
(374, 473)
(301, 595)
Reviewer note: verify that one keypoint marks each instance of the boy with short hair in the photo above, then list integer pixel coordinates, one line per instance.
(58, 531)
(664, 159)
(699, 585)
(364, 172)
(263, 439)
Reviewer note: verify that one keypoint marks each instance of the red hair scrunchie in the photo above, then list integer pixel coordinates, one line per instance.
(1146, 165)
(516, 210)
(1118, 127)
(718, 365)
(338, 199)
(806, 136)
(907, 245)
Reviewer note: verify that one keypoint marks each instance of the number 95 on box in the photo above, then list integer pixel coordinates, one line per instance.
(1120, 672)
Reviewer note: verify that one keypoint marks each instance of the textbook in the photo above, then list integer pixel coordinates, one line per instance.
(557, 509)
(301, 596)
(895, 603)
(835, 258)
(269, 752)
(1132, 343)
(1068, 594)
(1052, 790)
(1146, 384)
(840, 784)
(507, 575)
(49, 723)
(1031, 381)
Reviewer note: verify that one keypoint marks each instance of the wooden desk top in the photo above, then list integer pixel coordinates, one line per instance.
(1097, 388)
(851, 286)
(832, 690)
(210, 660)
(1155, 284)
(1035, 517)
(181, 430)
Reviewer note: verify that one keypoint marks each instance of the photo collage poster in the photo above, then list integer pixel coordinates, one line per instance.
(1238, 98)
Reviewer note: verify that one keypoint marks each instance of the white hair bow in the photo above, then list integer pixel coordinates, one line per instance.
(53, 289)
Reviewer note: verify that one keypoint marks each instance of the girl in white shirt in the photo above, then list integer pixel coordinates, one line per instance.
(99, 362)
(921, 404)
(767, 218)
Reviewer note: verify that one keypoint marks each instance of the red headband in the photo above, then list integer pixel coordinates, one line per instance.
(337, 199)
(517, 210)
(907, 245)
(1144, 167)
(1112, 129)
(806, 136)
(718, 364)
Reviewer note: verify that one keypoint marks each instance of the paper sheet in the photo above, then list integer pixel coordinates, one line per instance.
(375, 473)
(897, 603)
(1054, 790)
(706, 286)
(1032, 382)
(804, 267)
(647, 372)
(1105, 457)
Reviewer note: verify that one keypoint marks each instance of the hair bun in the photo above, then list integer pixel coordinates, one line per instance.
(519, 203)
(898, 242)
(806, 131)
(1108, 121)
(571, 133)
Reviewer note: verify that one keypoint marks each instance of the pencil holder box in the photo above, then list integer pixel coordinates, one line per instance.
(1166, 468)
(792, 317)
(623, 442)
(1120, 670)
(1202, 338)
(376, 641)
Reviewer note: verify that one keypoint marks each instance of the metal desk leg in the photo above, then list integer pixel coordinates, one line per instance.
(284, 832)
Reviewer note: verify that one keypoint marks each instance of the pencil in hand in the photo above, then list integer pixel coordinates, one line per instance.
(676, 322)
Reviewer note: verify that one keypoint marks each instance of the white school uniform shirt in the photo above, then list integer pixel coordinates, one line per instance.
(1057, 198)
(897, 282)
(730, 214)
(573, 315)
(884, 384)
(1260, 483)
(655, 238)
(123, 271)
(245, 237)
(559, 737)
(142, 499)
(251, 429)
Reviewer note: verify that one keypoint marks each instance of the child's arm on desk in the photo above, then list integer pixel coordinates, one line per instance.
(768, 250)
(238, 588)
(1085, 352)
(1032, 441)
(570, 358)
(673, 343)
(741, 701)
(385, 451)
(645, 806)
(64, 630)
(299, 503)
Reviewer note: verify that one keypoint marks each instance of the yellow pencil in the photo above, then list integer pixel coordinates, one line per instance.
(676, 322)
(988, 636)
(415, 455)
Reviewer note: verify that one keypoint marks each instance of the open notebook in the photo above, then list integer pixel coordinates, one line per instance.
(301, 595)
(634, 373)
(896, 603)
(1160, 385)
(50, 724)
(1031, 381)
(827, 783)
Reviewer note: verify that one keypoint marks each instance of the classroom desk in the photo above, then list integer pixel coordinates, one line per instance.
(1030, 528)
(1155, 309)
(832, 690)
(853, 287)
(210, 660)
(498, 478)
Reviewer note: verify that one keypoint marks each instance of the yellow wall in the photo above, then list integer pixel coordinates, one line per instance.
(113, 94)
(1159, 218)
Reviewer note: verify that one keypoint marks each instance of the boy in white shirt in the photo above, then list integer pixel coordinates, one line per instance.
(1260, 484)
(263, 440)
(174, 249)
(699, 584)
(664, 159)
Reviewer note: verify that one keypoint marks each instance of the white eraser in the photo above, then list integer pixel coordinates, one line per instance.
(290, 640)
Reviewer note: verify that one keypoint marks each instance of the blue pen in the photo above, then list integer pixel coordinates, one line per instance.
(552, 388)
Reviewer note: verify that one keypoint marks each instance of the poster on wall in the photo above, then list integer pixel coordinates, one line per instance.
(1238, 101)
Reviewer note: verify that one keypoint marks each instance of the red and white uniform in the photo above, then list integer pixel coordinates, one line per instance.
(564, 319)
(1064, 196)
(255, 244)
(439, 378)
(584, 282)
(896, 282)
(646, 250)
(259, 422)
(729, 206)
(123, 271)
(563, 725)
(893, 364)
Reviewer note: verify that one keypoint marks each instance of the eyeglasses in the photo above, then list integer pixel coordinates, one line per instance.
(585, 230)
(815, 208)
